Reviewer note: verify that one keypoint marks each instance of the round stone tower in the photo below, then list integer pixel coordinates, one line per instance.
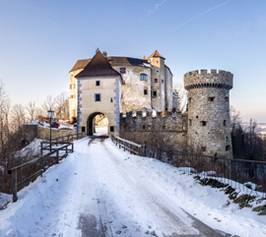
(209, 129)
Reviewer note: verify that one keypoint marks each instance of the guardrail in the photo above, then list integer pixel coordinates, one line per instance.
(50, 154)
(132, 147)
(229, 171)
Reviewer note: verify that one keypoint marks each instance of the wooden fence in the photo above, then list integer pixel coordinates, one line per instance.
(132, 147)
(20, 175)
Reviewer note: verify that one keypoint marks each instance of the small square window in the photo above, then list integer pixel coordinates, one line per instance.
(203, 148)
(83, 129)
(203, 123)
(227, 148)
(226, 98)
(112, 128)
(155, 80)
(122, 70)
(143, 77)
(97, 97)
(98, 83)
(145, 92)
(154, 93)
(162, 81)
(211, 98)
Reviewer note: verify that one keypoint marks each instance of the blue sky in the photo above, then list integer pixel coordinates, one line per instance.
(40, 40)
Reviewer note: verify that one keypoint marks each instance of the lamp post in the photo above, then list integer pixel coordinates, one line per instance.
(50, 116)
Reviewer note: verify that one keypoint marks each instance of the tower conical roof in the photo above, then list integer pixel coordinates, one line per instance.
(156, 54)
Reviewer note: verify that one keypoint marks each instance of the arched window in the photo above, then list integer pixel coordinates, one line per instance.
(143, 77)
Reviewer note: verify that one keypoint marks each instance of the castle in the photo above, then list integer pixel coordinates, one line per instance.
(136, 95)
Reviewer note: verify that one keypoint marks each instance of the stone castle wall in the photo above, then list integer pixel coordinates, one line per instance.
(166, 131)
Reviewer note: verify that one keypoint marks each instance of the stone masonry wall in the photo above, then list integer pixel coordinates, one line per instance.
(166, 131)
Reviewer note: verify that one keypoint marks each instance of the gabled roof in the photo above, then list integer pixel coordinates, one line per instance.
(156, 54)
(113, 60)
(98, 66)
(80, 64)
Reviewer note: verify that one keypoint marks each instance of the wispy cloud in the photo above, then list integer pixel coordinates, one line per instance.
(205, 12)
(156, 7)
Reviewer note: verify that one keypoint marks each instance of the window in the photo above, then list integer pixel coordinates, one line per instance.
(98, 83)
(97, 97)
(155, 80)
(227, 148)
(190, 122)
(224, 122)
(83, 129)
(162, 81)
(112, 128)
(226, 98)
(143, 126)
(189, 100)
(211, 98)
(111, 100)
(203, 148)
(122, 70)
(143, 77)
(154, 93)
(145, 92)
(203, 123)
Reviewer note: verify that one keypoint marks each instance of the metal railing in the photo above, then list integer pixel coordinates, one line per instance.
(127, 145)
(20, 175)
(233, 172)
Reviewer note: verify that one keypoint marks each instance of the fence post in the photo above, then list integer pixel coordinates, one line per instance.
(14, 184)
(57, 156)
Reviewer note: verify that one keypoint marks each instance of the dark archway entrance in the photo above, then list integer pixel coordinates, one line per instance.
(97, 124)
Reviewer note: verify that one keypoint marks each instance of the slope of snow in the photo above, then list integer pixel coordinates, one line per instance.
(100, 190)
(32, 149)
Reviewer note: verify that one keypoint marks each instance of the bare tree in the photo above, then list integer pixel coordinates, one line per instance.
(18, 117)
(61, 105)
(31, 109)
(181, 98)
(235, 118)
(48, 104)
(4, 123)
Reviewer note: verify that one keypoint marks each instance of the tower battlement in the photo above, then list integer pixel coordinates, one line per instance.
(204, 78)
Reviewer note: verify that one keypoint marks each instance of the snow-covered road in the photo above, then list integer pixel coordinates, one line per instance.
(102, 191)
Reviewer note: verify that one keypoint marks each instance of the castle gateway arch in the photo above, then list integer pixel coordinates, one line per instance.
(98, 124)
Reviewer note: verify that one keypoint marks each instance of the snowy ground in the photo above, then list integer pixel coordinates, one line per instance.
(102, 191)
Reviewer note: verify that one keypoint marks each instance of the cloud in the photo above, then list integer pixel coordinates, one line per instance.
(205, 12)
(156, 7)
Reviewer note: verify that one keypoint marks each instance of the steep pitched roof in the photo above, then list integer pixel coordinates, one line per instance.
(98, 66)
(156, 54)
(126, 61)
(80, 64)
(113, 60)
